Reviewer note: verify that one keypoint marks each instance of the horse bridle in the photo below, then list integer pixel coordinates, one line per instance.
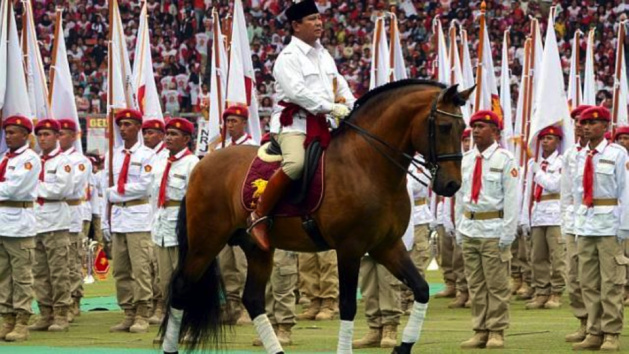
(433, 158)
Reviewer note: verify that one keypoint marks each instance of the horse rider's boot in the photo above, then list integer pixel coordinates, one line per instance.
(327, 310)
(20, 331)
(579, 335)
(141, 321)
(479, 340)
(44, 321)
(8, 323)
(258, 226)
(311, 312)
(370, 340)
(591, 342)
(449, 291)
(389, 336)
(283, 334)
(127, 322)
(60, 323)
(611, 343)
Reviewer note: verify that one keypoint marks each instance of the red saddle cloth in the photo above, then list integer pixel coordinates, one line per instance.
(257, 178)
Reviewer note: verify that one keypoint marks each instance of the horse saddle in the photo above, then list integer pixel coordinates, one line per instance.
(304, 196)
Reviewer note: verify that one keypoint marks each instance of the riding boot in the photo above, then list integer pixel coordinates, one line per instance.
(273, 192)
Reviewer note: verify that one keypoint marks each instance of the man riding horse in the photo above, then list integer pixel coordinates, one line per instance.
(308, 86)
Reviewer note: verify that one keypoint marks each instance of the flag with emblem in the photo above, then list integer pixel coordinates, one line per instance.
(143, 75)
(589, 82)
(575, 93)
(62, 103)
(506, 137)
(101, 264)
(380, 66)
(34, 66)
(552, 104)
(443, 62)
(487, 92)
(16, 95)
(241, 78)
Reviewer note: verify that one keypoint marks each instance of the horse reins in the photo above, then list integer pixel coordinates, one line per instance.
(433, 158)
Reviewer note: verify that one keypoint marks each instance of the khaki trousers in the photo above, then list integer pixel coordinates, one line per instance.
(420, 253)
(380, 290)
(548, 260)
(602, 270)
(521, 263)
(233, 263)
(487, 271)
(75, 264)
(167, 259)
(16, 276)
(96, 226)
(446, 252)
(280, 290)
(132, 259)
(155, 282)
(293, 153)
(50, 270)
(626, 247)
(575, 295)
(318, 275)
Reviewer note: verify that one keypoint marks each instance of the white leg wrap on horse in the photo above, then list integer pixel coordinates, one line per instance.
(346, 333)
(171, 338)
(267, 335)
(413, 328)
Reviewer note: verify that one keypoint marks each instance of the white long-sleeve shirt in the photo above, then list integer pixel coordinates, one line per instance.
(54, 213)
(305, 75)
(81, 170)
(610, 182)
(421, 211)
(20, 185)
(568, 174)
(498, 193)
(544, 212)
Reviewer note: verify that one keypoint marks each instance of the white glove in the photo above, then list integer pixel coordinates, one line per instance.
(535, 167)
(106, 235)
(339, 111)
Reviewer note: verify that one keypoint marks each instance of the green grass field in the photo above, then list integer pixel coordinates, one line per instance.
(531, 331)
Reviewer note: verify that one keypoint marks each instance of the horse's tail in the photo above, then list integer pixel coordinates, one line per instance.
(200, 299)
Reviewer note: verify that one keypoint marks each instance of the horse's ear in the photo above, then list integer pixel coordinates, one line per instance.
(451, 95)
(467, 93)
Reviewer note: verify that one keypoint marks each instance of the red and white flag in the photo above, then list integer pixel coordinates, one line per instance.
(489, 98)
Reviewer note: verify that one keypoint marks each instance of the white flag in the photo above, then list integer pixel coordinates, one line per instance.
(4, 27)
(35, 75)
(575, 94)
(589, 83)
(620, 83)
(398, 66)
(505, 97)
(467, 69)
(443, 62)
(489, 98)
(380, 66)
(456, 74)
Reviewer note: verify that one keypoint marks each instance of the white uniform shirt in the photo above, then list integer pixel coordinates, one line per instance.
(545, 212)
(165, 219)
(304, 75)
(568, 172)
(135, 218)
(498, 192)
(246, 139)
(96, 193)
(54, 214)
(610, 170)
(160, 151)
(421, 213)
(445, 213)
(20, 185)
(81, 170)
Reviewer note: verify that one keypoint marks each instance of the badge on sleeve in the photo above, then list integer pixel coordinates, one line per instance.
(514, 172)
(147, 168)
(81, 167)
(28, 166)
(67, 168)
(627, 166)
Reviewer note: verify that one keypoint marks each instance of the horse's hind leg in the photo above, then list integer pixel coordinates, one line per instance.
(259, 266)
(397, 260)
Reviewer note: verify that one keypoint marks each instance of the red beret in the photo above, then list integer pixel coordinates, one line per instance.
(68, 124)
(596, 113)
(181, 124)
(577, 111)
(20, 121)
(49, 124)
(466, 133)
(556, 131)
(236, 110)
(620, 131)
(154, 124)
(487, 117)
(131, 114)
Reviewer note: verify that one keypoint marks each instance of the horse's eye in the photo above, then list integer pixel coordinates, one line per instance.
(445, 127)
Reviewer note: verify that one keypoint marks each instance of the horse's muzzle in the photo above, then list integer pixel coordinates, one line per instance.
(447, 190)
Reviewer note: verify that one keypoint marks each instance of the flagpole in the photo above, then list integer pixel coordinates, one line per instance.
(377, 46)
(110, 110)
(217, 61)
(578, 68)
(452, 49)
(619, 56)
(228, 48)
(479, 64)
(527, 68)
(392, 30)
(55, 48)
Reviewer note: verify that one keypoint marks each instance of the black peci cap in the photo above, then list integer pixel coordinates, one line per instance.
(301, 9)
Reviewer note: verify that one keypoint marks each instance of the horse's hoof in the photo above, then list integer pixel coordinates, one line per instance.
(165, 352)
(404, 348)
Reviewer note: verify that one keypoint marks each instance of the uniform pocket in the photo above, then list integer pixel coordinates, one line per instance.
(621, 269)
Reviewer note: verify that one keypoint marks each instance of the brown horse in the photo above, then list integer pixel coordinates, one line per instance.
(365, 209)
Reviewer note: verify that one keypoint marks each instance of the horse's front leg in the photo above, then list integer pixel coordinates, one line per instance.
(397, 260)
(349, 267)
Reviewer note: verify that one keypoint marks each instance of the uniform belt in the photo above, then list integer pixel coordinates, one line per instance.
(483, 215)
(553, 196)
(604, 202)
(172, 203)
(74, 202)
(420, 201)
(132, 203)
(13, 204)
(48, 201)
